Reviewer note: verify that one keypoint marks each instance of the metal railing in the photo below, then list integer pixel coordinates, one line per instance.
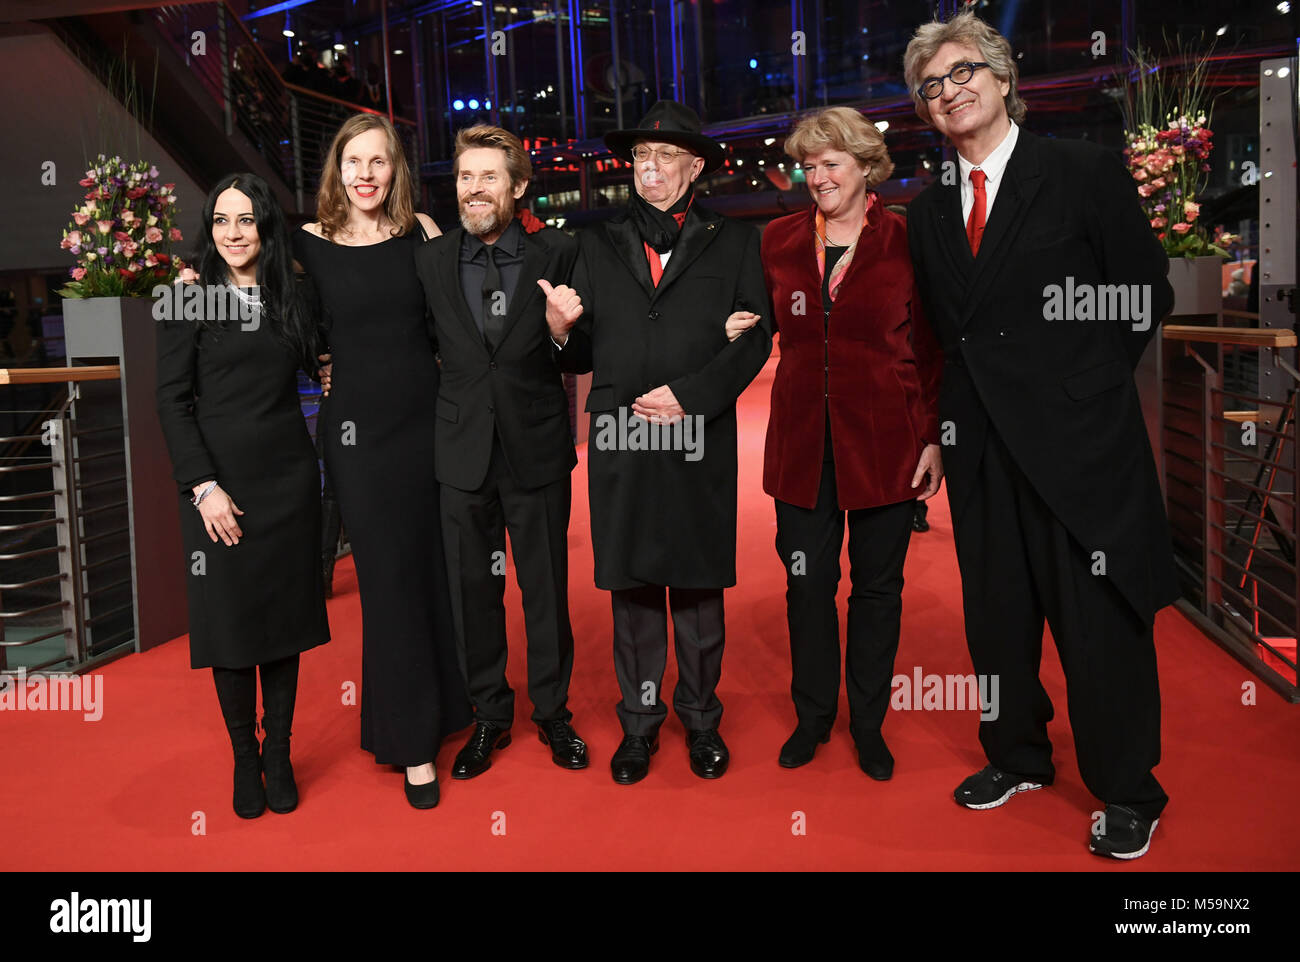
(1231, 469)
(65, 552)
(290, 126)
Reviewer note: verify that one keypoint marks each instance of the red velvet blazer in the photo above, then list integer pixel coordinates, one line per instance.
(876, 365)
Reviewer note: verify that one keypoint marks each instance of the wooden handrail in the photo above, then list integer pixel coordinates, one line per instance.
(55, 375)
(1247, 336)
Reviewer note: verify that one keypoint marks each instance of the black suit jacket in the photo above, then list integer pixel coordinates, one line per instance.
(515, 390)
(1060, 393)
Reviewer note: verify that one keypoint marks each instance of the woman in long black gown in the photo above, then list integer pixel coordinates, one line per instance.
(227, 394)
(378, 430)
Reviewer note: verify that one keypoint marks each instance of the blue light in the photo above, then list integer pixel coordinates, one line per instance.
(473, 104)
(458, 104)
(753, 64)
(487, 104)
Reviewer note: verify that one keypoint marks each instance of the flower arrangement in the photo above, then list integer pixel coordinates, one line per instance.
(1168, 138)
(118, 233)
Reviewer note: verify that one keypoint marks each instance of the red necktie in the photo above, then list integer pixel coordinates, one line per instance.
(656, 266)
(975, 224)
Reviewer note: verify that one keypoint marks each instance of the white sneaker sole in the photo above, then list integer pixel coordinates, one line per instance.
(1128, 855)
(1022, 787)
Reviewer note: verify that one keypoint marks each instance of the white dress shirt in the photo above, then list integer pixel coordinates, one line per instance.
(994, 166)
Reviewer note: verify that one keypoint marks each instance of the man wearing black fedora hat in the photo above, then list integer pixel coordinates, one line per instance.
(658, 286)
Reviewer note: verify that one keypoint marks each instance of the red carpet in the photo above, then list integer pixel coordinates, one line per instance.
(121, 793)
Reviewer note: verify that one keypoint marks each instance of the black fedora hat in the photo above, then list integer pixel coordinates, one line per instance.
(671, 123)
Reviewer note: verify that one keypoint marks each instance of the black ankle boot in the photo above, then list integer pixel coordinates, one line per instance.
(279, 691)
(237, 694)
(250, 797)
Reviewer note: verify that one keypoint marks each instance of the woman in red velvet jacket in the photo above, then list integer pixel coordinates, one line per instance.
(853, 429)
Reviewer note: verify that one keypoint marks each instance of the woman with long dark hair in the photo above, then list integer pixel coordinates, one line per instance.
(378, 428)
(227, 395)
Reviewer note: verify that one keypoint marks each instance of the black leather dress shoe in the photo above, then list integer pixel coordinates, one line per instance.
(800, 747)
(874, 757)
(567, 749)
(476, 757)
(709, 755)
(422, 796)
(631, 762)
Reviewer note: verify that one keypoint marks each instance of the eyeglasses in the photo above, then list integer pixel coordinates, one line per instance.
(641, 154)
(960, 74)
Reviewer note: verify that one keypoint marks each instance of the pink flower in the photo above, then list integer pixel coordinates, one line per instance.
(1158, 222)
(1181, 228)
(1139, 174)
(72, 240)
(1158, 183)
(129, 248)
(78, 273)
(175, 234)
(105, 226)
(1146, 190)
(1191, 211)
(80, 218)
(153, 235)
(127, 216)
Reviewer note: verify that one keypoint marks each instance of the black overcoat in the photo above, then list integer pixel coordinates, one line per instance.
(1059, 392)
(229, 410)
(660, 516)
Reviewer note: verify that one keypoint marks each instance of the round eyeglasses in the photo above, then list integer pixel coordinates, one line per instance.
(641, 153)
(960, 74)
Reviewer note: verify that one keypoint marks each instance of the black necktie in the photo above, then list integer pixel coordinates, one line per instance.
(494, 301)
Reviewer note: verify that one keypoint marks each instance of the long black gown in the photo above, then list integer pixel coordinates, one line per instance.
(228, 406)
(378, 429)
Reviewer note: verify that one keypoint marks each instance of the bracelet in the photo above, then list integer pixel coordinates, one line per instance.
(198, 499)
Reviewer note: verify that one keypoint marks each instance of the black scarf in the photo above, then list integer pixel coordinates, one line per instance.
(658, 228)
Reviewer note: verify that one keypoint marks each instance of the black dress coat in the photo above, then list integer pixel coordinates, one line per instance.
(1060, 393)
(229, 410)
(517, 387)
(656, 517)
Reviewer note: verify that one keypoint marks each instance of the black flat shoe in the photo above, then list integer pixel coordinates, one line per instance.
(874, 757)
(567, 749)
(422, 796)
(800, 748)
(631, 762)
(476, 757)
(709, 755)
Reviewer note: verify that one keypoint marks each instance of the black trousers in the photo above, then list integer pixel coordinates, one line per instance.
(641, 655)
(1019, 565)
(474, 526)
(809, 542)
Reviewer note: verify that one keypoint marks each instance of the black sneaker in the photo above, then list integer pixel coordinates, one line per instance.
(1127, 834)
(989, 788)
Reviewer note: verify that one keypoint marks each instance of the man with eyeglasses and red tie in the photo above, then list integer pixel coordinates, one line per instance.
(1057, 510)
